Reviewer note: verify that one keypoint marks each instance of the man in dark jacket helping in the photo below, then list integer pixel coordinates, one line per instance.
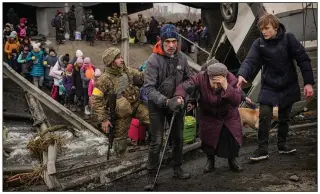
(166, 68)
(274, 52)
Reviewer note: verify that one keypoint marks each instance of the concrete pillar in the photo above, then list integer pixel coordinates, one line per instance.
(42, 21)
(79, 13)
(66, 10)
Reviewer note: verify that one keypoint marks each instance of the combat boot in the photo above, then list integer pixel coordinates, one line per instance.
(180, 174)
(210, 164)
(150, 180)
(234, 165)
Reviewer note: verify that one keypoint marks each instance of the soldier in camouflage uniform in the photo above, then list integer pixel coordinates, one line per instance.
(141, 29)
(123, 81)
(115, 24)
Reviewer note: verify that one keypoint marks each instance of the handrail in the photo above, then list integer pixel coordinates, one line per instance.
(194, 44)
(48, 101)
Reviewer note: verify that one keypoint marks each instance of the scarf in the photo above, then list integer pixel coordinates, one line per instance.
(114, 71)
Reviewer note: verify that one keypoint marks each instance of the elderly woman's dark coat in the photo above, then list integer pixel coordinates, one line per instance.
(279, 79)
(217, 110)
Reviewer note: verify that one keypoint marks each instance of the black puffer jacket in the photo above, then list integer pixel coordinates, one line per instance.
(279, 81)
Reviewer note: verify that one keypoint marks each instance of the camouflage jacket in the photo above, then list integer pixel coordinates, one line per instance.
(141, 23)
(107, 84)
(115, 22)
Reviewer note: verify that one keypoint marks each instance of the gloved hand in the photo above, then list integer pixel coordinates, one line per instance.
(175, 104)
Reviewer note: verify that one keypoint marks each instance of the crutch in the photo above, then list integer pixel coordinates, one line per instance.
(164, 150)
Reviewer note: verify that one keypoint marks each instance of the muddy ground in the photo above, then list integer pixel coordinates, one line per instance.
(270, 175)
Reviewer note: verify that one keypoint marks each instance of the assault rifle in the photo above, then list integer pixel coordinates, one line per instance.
(112, 98)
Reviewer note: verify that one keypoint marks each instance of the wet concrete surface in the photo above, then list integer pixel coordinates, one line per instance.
(269, 175)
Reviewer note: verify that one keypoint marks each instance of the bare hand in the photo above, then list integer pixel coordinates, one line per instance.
(308, 91)
(240, 81)
(248, 100)
(106, 126)
(222, 81)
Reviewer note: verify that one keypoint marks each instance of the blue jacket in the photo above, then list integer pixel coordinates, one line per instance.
(37, 67)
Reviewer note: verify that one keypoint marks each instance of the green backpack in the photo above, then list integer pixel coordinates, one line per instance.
(189, 132)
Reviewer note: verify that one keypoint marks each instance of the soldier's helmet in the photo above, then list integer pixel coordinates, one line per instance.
(109, 55)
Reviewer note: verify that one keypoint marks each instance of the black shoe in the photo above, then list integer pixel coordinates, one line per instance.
(259, 155)
(286, 150)
(234, 165)
(209, 165)
(180, 174)
(150, 180)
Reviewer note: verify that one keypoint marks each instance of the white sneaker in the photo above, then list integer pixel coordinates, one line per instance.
(86, 110)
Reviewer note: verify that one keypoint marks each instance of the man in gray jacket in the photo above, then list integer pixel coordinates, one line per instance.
(166, 68)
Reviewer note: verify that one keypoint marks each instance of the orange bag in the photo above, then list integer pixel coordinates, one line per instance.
(89, 72)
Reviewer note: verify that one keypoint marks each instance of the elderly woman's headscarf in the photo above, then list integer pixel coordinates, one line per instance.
(217, 69)
(204, 67)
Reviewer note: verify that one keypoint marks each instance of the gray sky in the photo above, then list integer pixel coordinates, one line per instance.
(176, 6)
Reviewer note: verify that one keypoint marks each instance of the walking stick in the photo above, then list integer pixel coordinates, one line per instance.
(164, 149)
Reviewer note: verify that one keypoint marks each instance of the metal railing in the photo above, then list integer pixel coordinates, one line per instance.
(193, 43)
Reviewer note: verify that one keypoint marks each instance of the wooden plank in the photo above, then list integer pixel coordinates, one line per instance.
(11, 115)
(37, 111)
(48, 101)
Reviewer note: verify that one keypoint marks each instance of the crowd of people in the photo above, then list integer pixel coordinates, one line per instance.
(168, 86)
(70, 80)
(142, 31)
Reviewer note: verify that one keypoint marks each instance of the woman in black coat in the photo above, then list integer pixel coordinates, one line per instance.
(274, 52)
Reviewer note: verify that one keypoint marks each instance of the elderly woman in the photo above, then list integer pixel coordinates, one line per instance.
(220, 124)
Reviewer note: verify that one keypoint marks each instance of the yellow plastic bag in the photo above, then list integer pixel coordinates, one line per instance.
(132, 40)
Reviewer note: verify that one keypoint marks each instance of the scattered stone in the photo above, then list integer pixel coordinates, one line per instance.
(312, 155)
(294, 178)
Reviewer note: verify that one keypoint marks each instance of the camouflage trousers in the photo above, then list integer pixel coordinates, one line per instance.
(140, 112)
(140, 35)
(115, 36)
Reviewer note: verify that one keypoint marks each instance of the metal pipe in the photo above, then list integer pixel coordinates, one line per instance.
(194, 44)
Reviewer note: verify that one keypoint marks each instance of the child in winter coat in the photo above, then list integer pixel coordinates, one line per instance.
(49, 61)
(26, 42)
(87, 73)
(25, 65)
(37, 71)
(79, 53)
(67, 84)
(77, 83)
(6, 33)
(22, 29)
(14, 61)
(97, 74)
(57, 72)
(11, 44)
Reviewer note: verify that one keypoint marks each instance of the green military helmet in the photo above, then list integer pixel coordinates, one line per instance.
(109, 55)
